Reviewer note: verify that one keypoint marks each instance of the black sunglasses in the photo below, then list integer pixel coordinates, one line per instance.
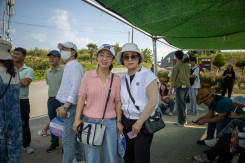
(133, 57)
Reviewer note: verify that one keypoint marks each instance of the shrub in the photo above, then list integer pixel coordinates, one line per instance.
(210, 77)
(162, 74)
(219, 61)
(83, 57)
(39, 74)
(241, 64)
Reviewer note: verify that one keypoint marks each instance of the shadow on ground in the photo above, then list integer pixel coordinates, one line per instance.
(170, 145)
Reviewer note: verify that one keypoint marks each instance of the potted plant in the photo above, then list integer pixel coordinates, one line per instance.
(209, 79)
(163, 76)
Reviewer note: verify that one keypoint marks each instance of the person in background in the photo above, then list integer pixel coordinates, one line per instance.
(239, 103)
(10, 116)
(219, 104)
(44, 131)
(229, 79)
(143, 86)
(68, 96)
(53, 80)
(94, 90)
(152, 68)
(26, 75)
(193, 89)
(221, 149)
(180, 81)
(165, 100)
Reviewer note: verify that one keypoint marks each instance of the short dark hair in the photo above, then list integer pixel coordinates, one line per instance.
(75, 54)
(179, 54)
(22, 50)
(193, 59)
(138, 56)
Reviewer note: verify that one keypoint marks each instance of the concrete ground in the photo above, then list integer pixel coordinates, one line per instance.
(170, 145)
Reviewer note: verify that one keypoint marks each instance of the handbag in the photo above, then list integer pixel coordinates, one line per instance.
(153, 123)
(90, 133)
(6, 88)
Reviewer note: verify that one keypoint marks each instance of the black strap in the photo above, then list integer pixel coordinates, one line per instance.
(89, 132)
(6, 88)
(131, 95)
(108, 97)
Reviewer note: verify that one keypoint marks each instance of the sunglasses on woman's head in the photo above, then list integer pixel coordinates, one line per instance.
(133, 57)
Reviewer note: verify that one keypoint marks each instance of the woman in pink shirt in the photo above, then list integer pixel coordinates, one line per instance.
(94, 90)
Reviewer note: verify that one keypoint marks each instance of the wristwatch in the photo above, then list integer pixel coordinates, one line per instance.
(65, 108)
(118, 120)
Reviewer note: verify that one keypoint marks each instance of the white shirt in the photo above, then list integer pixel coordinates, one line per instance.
(137, 88)
(196, 73)
(70, 83)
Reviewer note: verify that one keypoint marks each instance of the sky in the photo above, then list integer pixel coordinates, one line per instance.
(45, 23)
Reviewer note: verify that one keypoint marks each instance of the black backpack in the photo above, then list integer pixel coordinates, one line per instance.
(192, 80)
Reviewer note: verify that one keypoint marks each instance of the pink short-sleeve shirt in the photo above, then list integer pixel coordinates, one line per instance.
(96, 94)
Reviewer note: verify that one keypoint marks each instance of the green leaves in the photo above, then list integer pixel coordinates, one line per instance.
(219, 60)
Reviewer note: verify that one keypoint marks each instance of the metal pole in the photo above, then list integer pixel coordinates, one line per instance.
(9, 24)
(154, 40)
(3, 24)
(128, 36)
(132, 35)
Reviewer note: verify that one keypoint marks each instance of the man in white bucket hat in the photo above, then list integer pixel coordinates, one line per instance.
(142, 84)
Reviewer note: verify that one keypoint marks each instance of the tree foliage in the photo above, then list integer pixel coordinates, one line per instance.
(219, 61)
(241, 64)
(147, 55)
(117, 48)
(92, 48)
(191, 53)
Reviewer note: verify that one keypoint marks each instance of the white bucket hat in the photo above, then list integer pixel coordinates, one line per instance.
(5, 48)
(129, 47)
(107, 47)
(67, 45)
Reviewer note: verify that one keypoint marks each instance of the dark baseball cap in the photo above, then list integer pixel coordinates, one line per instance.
(54, 52)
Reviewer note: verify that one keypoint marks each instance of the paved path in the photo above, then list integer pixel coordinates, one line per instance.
(170, 145)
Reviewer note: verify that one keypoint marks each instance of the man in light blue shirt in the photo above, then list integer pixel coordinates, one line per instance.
(68, 96)
(26, 75)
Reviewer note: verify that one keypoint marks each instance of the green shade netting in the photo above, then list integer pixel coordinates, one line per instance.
(187, 24)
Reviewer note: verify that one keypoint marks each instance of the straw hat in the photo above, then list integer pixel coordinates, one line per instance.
(5, 48)
(203, 94)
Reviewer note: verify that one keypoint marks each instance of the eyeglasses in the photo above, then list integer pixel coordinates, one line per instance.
(107, 57)
(133, 57)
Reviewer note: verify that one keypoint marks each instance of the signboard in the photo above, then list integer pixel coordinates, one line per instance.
(204, 63)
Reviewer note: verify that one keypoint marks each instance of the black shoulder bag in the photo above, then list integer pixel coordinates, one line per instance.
(192, 80)
(90, 133)
(153, 123)
(6, 88)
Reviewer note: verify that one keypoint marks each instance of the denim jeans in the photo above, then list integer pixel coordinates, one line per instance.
(170, 105)
(212, 126)
(227, 128)
(180, 97)
(193, 104)
(109, 146)
(52, 106)
(69, 139)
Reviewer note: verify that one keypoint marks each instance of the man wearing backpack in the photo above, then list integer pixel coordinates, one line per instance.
(195, 84)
